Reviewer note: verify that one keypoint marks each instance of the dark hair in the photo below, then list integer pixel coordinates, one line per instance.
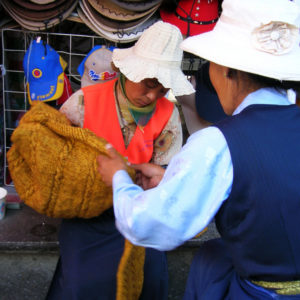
(169, 5)
(263, 81)
(275, 83)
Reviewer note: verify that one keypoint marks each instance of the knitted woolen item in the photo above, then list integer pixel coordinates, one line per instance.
(130, 275)
(54, 170)
(53, 165)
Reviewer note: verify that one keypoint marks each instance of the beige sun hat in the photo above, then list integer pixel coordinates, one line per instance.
(156, 54)
(260, 37)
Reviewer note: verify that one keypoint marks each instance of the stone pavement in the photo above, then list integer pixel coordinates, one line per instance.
(29, 252)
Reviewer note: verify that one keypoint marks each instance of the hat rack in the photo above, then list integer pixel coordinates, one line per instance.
(71, 47)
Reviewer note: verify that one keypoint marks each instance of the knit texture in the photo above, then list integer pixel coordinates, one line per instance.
(54, 170)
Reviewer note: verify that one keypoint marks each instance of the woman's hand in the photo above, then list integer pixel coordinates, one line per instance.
(148, 175)
(109, 165)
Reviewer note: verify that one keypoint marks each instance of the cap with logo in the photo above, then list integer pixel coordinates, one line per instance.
(44, 72)
(96, 66)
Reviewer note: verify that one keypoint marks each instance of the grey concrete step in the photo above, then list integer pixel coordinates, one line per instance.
(29, 252)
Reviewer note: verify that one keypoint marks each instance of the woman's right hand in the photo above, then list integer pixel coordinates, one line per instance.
(148, 175)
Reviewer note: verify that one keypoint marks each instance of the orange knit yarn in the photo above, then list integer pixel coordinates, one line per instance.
(54, 170)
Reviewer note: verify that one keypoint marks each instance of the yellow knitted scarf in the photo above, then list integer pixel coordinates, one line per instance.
(54, 170)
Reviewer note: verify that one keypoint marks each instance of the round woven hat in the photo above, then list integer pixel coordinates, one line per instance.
(137, 5)
(92, 20)
(39, 25)
(156, 54)
(112, 11)
(38, 7)
(42, 1)
(112, 25)
(37, 15)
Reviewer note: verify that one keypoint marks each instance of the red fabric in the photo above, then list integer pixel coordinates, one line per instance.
(202, 11)
(67, 92)
(100, 116)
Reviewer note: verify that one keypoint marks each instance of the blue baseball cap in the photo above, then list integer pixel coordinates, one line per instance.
(44, 72)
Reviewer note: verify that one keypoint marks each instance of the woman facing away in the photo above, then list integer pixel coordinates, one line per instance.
(133, 115)
(244, 171)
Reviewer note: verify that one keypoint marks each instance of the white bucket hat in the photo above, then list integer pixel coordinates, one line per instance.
(256, 36)
(156, 54)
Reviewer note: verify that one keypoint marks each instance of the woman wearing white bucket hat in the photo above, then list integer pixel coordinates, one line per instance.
(132, 114)
(243, 171)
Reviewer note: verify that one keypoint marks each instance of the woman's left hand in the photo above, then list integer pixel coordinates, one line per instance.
(110, 164)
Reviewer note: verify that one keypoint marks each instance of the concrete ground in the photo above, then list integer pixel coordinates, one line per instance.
(29, 253)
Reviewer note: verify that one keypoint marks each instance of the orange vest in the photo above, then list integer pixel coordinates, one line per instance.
(100, 116)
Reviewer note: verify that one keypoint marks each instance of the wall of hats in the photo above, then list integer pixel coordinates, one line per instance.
(66, 33)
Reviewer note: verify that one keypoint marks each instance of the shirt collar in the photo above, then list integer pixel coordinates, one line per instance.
(264, 96)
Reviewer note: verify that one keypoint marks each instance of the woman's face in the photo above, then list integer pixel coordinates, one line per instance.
(145, 92)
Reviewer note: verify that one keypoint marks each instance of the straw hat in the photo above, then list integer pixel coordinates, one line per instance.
(193, 16)
(260, 37)
(156, 55)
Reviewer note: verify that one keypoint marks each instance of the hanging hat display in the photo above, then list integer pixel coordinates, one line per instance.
(113, 11)
(44, 72)
(35, 17)
(115, 23)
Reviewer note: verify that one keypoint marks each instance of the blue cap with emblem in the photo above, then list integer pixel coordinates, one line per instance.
(44, 72)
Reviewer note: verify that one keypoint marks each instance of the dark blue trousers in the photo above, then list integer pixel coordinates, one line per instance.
(213, 277)
(90, 251)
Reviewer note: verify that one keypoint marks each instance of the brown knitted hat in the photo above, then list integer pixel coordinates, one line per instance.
(54, 169)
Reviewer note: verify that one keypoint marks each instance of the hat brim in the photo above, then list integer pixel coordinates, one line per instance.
(111, 25)
(37, 16)
(38, 26)
(115, 12)
(137, 5)
(234, 49)
(183, 25)
(137, 68)
(38, 7)
(42, 1)
(45, 89)
(118, 37)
